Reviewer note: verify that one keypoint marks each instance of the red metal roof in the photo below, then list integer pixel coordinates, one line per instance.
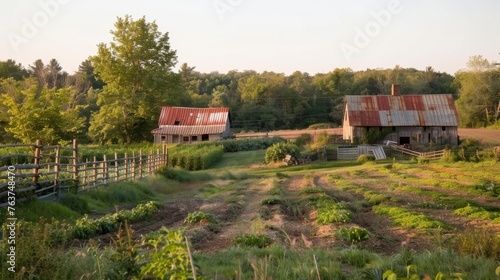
(190, 130)
(193, 116)
(192, 121)
(401, 110)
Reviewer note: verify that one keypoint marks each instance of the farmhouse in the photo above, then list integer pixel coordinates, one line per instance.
(191, 125)
(404, 119)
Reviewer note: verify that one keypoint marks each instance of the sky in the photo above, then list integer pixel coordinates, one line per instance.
(282, 36)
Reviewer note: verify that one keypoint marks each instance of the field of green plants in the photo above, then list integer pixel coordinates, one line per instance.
(243, 218)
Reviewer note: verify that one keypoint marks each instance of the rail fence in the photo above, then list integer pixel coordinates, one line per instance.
(428, 155)
(46, 172)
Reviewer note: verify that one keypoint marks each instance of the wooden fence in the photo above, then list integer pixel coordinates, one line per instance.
(46, 172)
(428, 155)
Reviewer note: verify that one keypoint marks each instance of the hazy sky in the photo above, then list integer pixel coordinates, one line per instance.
(281, 36)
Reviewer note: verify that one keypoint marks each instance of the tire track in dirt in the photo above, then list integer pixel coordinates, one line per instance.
(242, 223)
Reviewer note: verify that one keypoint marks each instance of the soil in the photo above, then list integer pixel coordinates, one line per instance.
(294, 224)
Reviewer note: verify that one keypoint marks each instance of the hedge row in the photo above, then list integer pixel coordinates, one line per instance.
(195, 157)
(249, 144)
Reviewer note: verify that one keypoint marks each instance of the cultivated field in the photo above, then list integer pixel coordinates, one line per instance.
(405, 207)
(326, 220)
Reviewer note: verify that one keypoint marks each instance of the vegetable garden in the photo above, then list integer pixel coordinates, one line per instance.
(244, 219)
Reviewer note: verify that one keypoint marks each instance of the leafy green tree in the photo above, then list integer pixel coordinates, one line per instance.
(335, 85)
(47, 114)
(479, 93)
(220, 97)
(253, 89)
(137, 70)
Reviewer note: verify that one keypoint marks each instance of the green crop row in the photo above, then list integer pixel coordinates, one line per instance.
(195, 157)
(408, 219)
(479, 213)
(87, 228)
(58, 233)
(331, 211)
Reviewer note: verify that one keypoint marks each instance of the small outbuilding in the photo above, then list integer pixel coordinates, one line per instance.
(191, 125)
(403, 119)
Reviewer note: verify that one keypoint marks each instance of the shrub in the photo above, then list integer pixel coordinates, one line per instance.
(169, 258)
(353, 234)
(303, 140)
(197, 217)
(333, 214)
(195, 156)
(365, 158)
(252, 240)
(320, 140)
(279, 151)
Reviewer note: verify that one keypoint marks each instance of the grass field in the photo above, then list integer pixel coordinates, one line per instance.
(248, 220)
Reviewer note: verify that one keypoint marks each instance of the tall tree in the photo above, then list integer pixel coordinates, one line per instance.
(479, 93)
(39, 70)
(137, 70)
(54, 73)
(11, 69)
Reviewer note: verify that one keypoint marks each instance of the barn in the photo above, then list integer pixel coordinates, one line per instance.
(191, 125)
(404, 119)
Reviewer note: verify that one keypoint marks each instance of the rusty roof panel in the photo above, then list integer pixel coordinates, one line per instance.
(193, 116)
(402, 110)
(382, 102)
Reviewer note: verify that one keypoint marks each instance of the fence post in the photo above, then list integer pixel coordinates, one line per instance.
(94, 171)
(126, 166)
(140, 163)
(133, 165)
(75, 164)
(38, 151)
(57, 169)
(105, 169)
(164, 154)
(85, 176)
(158, 160)
(150, 161)
(117, 171)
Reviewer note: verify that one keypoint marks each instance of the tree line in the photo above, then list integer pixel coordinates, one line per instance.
(116, 95)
